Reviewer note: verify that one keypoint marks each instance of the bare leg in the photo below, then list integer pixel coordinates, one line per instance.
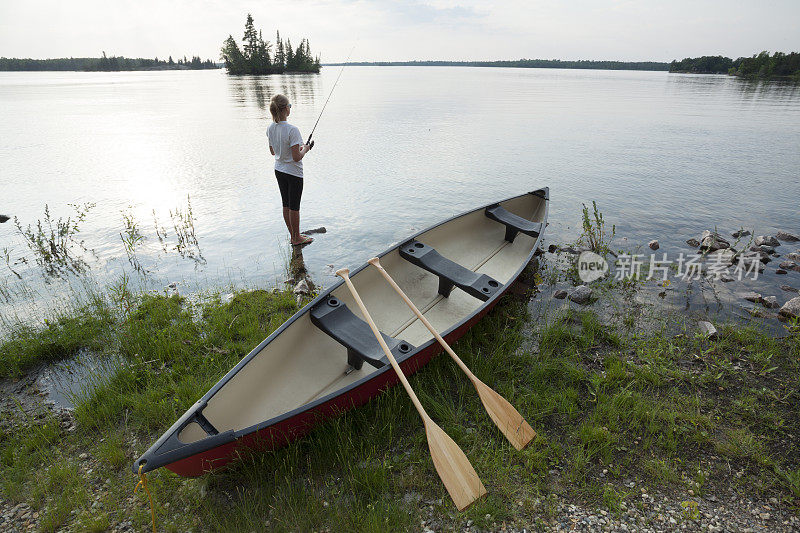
(294, 221)
(288, 221)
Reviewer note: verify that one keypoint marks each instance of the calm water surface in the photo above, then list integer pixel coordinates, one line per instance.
(398, 149)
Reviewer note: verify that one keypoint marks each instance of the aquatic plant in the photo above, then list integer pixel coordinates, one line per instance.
(131, 238)
(183, 223)
(55, 243)
(594, 230)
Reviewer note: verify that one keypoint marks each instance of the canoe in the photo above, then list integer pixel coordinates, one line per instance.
(325, 360)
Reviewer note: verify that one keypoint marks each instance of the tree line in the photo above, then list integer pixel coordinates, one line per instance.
(105, 64)
(760, 66)
(524, 63)
(256, 55)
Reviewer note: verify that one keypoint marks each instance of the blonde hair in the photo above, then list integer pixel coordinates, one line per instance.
(277, 106)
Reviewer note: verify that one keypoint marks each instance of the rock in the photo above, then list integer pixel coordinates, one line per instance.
(793, 256)
(301, 287)
(789, 288)
(781, 271)
(787, 237)
(560, 294)
(693, 242)
(707, 329)
(740, 233)
(581, 294)
(750, 296)
(653, 245)
(770, 302)
(769, 240)
(552, 248)
(790, 265)
(315, 230)
(791, 308)
(763, 248)
(713, 241)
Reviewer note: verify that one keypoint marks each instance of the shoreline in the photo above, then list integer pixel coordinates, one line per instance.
(707, 451)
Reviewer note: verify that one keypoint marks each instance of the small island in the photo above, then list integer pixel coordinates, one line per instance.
(254, 57)
(759, 67)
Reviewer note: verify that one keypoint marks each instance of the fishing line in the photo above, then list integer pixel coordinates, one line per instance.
(330, 94)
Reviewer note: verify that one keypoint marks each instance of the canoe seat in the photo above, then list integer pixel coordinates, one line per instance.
(450, 273)
(514, 224)
(334, 318)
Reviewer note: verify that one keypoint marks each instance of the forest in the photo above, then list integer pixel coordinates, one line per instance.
(526, 63)
(256, 55)
(104, 64)
(764, 66)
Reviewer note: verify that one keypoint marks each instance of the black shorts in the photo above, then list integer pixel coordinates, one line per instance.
(291, 189)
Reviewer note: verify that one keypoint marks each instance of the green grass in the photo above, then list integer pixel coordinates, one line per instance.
(59, 337)
(607, 406)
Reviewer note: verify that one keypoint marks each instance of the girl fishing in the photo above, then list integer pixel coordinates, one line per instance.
(286, 144)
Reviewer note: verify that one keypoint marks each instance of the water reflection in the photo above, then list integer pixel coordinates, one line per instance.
(258, 90)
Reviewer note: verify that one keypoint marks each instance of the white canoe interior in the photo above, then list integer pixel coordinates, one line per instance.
(303, 363)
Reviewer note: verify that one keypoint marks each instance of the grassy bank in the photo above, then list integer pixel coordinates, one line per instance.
(613, 411)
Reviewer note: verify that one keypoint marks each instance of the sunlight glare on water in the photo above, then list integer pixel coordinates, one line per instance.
(398, 149)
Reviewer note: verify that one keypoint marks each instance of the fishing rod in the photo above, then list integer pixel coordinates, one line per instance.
(330, 94)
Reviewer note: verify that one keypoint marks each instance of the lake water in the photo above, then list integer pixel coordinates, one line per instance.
(399, 148)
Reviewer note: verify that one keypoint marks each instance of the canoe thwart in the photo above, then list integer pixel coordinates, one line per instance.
(514, 224)
(449, 272)
(333, 317)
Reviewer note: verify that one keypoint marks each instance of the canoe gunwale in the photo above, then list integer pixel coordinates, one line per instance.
(177, 450)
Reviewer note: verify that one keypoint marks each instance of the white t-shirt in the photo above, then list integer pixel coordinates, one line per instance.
(282, 136)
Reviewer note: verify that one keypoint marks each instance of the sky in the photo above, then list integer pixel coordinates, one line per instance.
(395, 30)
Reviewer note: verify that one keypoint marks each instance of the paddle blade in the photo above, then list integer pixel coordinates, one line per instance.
(453, 467)
(518, 432)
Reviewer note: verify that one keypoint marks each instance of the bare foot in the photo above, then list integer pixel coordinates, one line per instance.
(303, 241)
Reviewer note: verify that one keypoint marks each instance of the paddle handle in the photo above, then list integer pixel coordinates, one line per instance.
(344, 274)
(377, 264)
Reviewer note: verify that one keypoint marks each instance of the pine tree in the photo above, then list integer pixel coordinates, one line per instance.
(290, 63)
(280, 56)
(250, 39)
(235, 63)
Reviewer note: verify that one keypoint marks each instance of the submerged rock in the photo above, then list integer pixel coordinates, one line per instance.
(791, 308)
(787, 237)
(769, 240)
(790, 265)
(581, 294)
(789, 288)
(315, 230)
(740, 233)
(693, 242)
(781, 272)
(653, 245)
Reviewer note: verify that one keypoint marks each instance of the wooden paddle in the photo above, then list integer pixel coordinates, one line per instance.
(508, 419)
(452, 465)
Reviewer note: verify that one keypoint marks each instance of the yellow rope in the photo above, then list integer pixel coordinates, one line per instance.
(143, 483)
